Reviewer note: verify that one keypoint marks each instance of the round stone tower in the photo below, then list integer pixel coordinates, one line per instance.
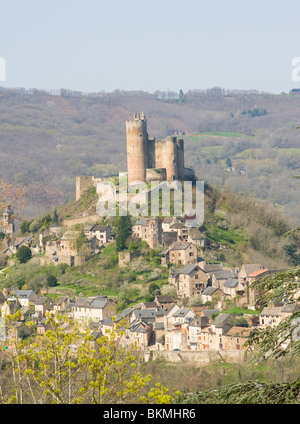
(137, 154)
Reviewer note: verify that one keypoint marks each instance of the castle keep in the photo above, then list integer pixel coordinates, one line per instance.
(149, 159)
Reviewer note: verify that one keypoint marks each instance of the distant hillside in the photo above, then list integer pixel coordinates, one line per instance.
(244, 140)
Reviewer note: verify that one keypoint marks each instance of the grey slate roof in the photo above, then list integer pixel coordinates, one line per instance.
(180, 246)
(181, 312)
(222, 275)
(212, 267)
(223, 319)
(210, 291)
(210, 312)
(187, 269)
(96, 303)
(231, 282)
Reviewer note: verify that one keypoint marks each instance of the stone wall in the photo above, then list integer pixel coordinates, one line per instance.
(234, 356)
(89, 219)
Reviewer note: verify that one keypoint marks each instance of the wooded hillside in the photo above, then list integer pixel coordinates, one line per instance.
(244, 140)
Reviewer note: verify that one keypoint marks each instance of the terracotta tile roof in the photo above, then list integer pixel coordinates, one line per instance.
(257, 273)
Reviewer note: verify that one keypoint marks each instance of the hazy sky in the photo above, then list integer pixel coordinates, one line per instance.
(95, 45)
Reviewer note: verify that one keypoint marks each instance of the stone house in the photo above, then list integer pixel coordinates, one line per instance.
(218, 278)
(68, 243)
(230, 287)
(182, 253)
(168, 221)
(26, 241)
(25, 297)
(244, 273)
(93, 309)
(145, 315)
(273, 315)
(194, 331)
(42, 327)
(235, 338)
(210, 293)
(149, 230)
(10, 307)
(101, 232)
(196, 237)
(176, 338)
(189, 281)
(42, 305)
(164, 314)
(181, 316)
(139, 334)
(180, 229)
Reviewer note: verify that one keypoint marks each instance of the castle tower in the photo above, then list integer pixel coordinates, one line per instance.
(180, 158)
(8, 221)
(137, 152)
(170, 157)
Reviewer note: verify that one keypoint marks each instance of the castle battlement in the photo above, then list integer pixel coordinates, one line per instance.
(146, 154)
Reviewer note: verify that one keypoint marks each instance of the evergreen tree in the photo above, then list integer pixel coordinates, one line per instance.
(55, 217)
(24, 254)
(123, 229)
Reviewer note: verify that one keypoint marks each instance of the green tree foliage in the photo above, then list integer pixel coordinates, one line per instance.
(123, 229)
(24, 227)
(24, 254)
(66, 366)
(55, 217)
(51, 281)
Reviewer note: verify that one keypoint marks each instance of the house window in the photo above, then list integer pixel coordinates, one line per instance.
(191, 254)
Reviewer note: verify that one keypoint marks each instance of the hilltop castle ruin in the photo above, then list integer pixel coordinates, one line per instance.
(149, 159)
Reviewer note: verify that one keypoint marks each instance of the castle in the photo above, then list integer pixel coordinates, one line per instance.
(7, 223)
(149, 159)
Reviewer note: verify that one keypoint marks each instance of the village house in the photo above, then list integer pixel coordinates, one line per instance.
(218, 278)
(244, 273)
(43, 305)
(61, 304)
(148, 230)
(196, 237)
(25, 297)
(230, 287)
(102, 233)
(250, 294)
(139, 334)
(181, 316)
(10, 307)
(167, 222)
(189, 281)
(180, 229)
(145, 315)
(271, 316)
(43, 326)
(93, 309)
(163, 317)
(68, 243)
(176, 338)
(194, 332)
(25, 241)
(182, 253)
(235, 338)
(212, 294)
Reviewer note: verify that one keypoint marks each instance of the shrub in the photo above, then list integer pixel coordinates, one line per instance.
(24, 254)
